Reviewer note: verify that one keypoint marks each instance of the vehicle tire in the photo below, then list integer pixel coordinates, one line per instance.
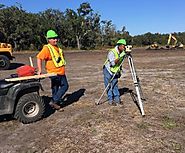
(4, 62)
(30, 108)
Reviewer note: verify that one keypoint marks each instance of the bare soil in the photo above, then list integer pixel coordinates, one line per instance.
(84, 127)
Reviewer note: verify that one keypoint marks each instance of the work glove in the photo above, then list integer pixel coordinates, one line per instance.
(122, 54)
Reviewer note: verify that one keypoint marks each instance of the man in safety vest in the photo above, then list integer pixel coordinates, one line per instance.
(112, 71)
(54, 63)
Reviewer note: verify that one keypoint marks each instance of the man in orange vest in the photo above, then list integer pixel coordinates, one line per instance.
(54, 63)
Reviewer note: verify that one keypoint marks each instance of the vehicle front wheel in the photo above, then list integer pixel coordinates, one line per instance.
(30, 108)
(4, 62)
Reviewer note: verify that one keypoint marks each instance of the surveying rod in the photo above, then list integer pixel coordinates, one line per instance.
(136, 83)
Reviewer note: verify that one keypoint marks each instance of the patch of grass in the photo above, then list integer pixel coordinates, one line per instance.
(177, 147)
(115, 111)
(93, 130)
(142, 125)
(169, 123)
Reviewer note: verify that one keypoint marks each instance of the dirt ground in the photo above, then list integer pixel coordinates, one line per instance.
(84, 127)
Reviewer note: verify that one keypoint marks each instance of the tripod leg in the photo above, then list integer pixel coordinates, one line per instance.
(136, 83)
(98, 102)
(139, 100)
(140, 90)
(134, 75)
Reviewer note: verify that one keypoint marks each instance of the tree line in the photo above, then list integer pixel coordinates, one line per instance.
(77, 29)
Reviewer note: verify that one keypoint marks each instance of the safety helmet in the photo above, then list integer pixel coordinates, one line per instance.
(121, 42)
(51, 34)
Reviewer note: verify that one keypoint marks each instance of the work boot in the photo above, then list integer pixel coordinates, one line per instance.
(120, 103)
(111, 103)
(54, 105)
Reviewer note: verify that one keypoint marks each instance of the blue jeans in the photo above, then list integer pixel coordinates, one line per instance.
(59, 86)
(112, 91)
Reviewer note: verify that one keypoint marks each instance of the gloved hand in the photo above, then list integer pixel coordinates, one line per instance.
(122, 54)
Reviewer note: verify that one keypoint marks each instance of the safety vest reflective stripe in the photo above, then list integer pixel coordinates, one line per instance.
(116, 67)
(57, 57)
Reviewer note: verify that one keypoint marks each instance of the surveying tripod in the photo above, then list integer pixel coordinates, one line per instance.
(136, 83)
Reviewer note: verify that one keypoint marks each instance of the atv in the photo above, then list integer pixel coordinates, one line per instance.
(21, 99)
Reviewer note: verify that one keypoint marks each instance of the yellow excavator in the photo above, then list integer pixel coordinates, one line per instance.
(174, 44)
(153, 46)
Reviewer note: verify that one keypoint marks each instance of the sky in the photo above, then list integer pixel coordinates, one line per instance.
(138, 16)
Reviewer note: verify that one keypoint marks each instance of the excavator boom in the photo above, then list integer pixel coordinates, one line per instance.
(170, 38)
